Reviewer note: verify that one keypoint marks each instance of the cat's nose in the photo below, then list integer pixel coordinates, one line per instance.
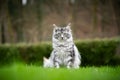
(62, 36)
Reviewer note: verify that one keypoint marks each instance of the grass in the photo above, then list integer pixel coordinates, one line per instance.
(25, 72)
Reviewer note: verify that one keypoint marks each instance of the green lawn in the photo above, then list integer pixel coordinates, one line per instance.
(25, 72)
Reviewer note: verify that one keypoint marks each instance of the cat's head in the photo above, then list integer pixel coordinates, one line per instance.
(62, 33)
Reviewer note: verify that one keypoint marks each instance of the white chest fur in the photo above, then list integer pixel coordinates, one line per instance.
(62, 55)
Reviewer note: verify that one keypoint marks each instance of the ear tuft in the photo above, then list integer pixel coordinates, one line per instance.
(69, 24)
(54, 25)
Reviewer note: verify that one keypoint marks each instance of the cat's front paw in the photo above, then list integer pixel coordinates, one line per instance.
(57, 67)
(68, 67)
(76, 67)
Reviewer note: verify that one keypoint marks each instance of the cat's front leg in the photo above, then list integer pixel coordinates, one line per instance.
(57, 65)
(69, 64)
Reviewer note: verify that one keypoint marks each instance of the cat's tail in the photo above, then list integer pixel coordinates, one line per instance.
(44, 58)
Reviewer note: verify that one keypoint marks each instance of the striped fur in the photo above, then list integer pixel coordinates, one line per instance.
(64, 53)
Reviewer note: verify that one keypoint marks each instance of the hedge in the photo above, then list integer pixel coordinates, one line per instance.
(93, 52)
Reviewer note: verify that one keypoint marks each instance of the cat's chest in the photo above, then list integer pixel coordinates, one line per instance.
(62, 56)
(62, 52)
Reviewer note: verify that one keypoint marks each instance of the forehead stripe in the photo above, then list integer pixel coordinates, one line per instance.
(61, 30)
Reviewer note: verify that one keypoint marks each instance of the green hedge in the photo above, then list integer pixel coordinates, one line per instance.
(93, 52)
(100, 52)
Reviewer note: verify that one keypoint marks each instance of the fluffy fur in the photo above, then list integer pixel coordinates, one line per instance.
(64, 53)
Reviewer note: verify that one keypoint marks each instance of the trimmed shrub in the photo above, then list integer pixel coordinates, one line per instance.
(99, 52)
(93, 52)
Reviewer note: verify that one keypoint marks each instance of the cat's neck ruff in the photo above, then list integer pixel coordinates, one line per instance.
(62, 46)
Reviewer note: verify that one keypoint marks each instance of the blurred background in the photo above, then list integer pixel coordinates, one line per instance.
(31, 20)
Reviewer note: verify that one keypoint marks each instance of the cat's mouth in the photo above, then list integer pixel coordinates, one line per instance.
(61, 40)
(62, 45)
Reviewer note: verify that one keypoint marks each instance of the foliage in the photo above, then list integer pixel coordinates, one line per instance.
(93, 52)
(33, 22)
(99, 52)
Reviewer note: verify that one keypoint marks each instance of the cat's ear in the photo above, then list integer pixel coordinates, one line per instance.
(68, 26)
(55, 28)
(55, 25)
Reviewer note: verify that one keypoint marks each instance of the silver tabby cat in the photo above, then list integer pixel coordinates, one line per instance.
(64, 53)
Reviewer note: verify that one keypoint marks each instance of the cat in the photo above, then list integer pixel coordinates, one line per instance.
(64, 53)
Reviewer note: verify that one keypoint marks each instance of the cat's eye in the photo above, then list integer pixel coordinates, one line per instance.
(57, 35)
(67, 35)
(55, 30)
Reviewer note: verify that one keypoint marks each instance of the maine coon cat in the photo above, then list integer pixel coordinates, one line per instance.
(64, 53)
